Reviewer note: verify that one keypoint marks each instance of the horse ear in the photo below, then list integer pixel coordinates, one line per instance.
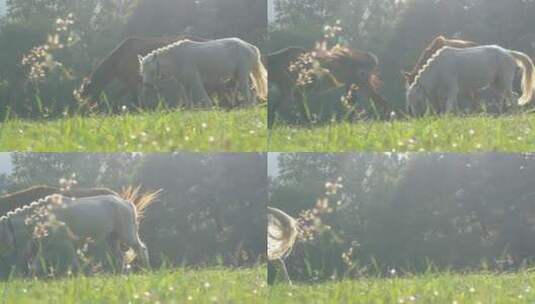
(139, 58)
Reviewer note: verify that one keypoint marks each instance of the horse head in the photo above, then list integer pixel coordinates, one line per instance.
(414, 98)
(149, 69)
(408, 76)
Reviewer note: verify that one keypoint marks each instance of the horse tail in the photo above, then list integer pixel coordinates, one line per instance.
(528, 77)
(140, 200)
(287, 230)
(259, 75)
(129, 231)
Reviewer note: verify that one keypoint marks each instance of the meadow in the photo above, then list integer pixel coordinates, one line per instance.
(214, 285)
(429, 288)
(431, 133)
(159, 131)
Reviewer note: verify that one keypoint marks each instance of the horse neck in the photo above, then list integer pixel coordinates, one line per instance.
(437, 44)
(10, 202)
(104, 73)
(28, 208)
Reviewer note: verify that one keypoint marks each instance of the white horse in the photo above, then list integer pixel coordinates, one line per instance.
(194, 64)
(282, 234)
(454, 72)
(57, 223)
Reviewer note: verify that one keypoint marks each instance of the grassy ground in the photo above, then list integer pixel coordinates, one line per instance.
(203, 131)
(434, 134)
(445, 288)
(179, 286)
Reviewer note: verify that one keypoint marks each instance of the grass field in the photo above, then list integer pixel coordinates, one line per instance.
(433, 134)
(217, 285)
(444, 288)
(198, 131)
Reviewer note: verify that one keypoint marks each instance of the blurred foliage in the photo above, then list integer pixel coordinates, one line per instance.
(211, 210)
(410, 212)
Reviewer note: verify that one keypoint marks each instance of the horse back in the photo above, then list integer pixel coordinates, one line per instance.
(12, 201)
(438, 43)
(123, 61)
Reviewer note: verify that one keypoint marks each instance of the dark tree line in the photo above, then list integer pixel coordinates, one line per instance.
(411, 212)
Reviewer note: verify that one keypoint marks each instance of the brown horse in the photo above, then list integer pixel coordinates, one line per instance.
(354, 67)
(122, 64)
(437, 43)
(350, 67)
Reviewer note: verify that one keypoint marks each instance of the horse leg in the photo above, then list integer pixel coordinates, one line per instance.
(505, 85)
(182, 95)
(234, 95)
(198, 91)
(141, 96)
(451, 100)
(286, 276)
(245, 90)
(131, 238)
(108, 254)
(73, 258)
(275, 106)
(271, 273)
(242, 86)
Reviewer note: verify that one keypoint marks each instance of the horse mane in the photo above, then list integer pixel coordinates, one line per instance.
(162, 50)
(140, 200)
(103, 70)
(354, 58)
(29, 207)
(438, 43)
(18, 199)
(430, 60)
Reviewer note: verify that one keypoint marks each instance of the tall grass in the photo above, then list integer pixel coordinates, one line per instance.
(429, 288)
(432, 133)
(163, 130)
(215, 285)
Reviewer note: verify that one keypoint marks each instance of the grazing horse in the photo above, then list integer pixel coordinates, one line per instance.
(122, 65)
(454, 71)
(282, 233)
(438, 43)
(56, 223)
(23, 198)
(194, 64)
